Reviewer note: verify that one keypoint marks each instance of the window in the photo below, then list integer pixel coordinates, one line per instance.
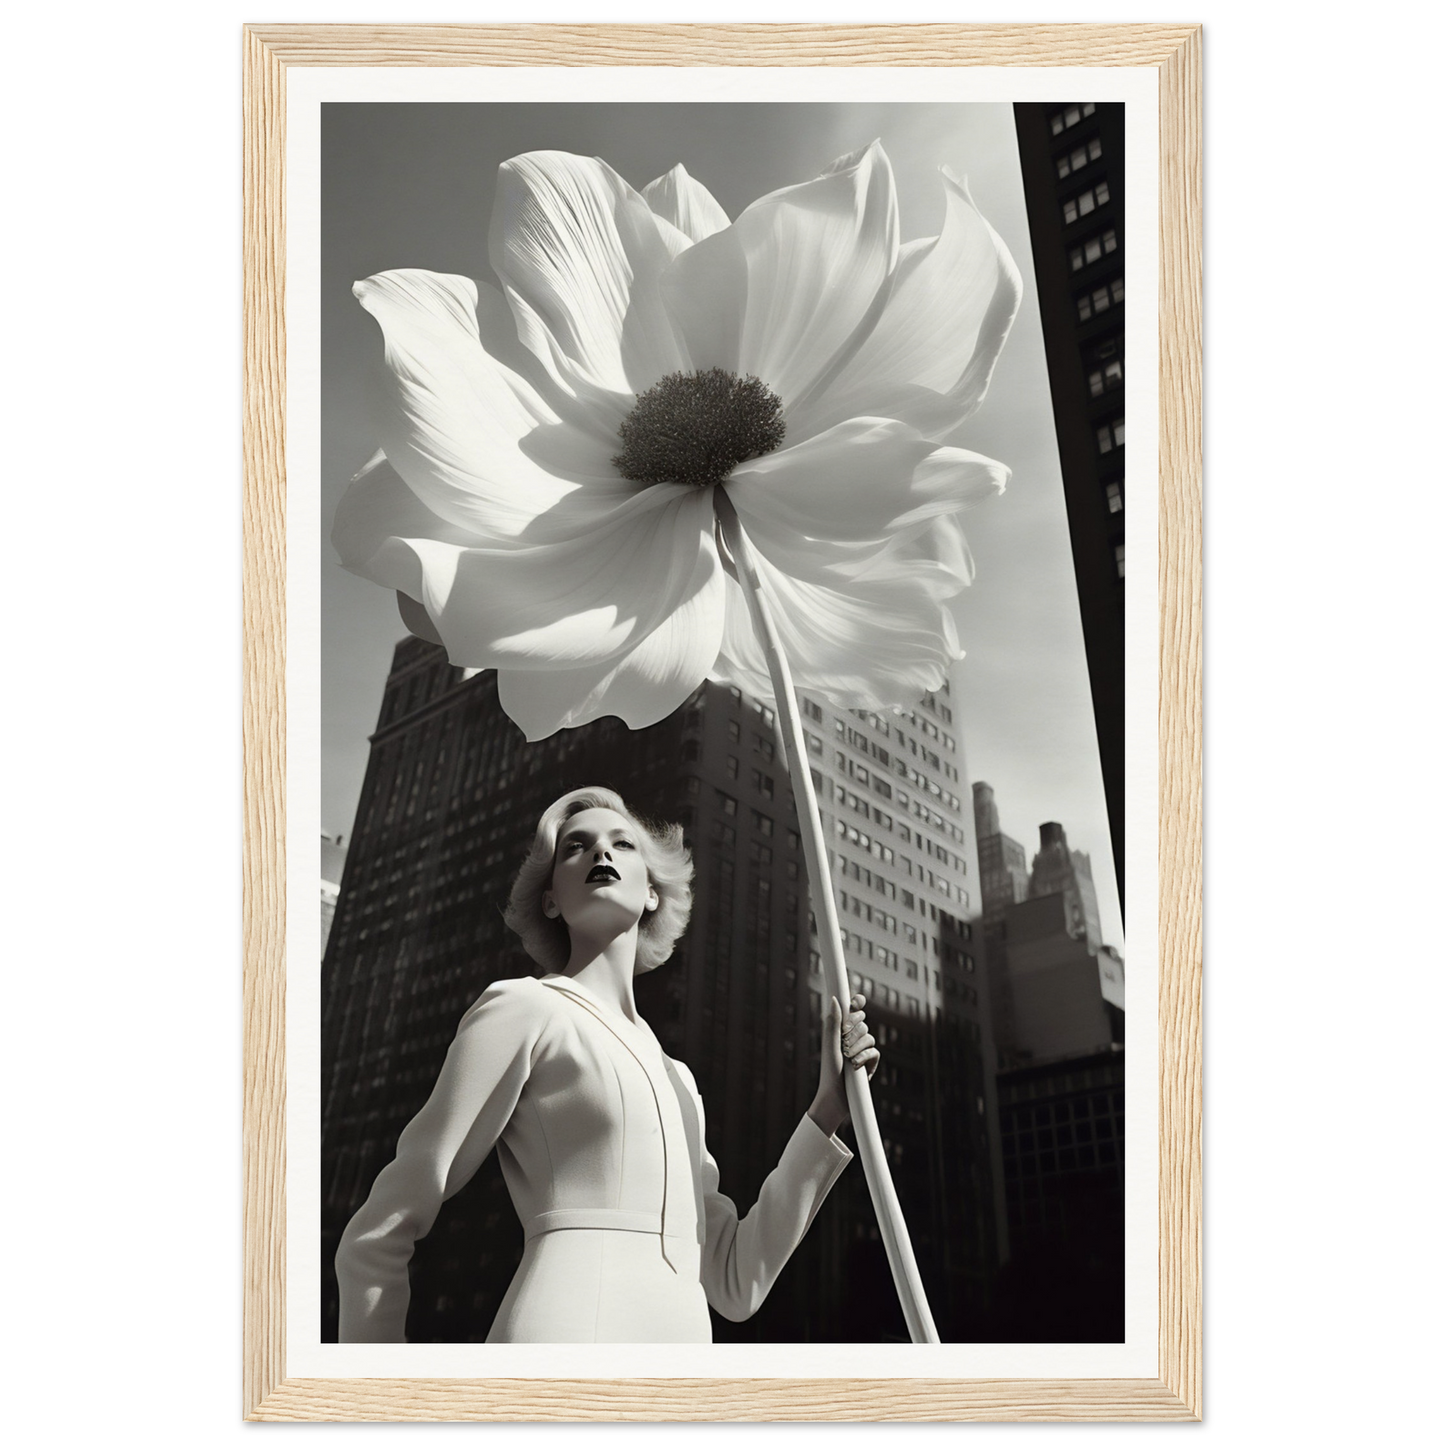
(763, 824)
(1119, 558)
(1114, 497)
(1078, 158)
(1101, 298)
(1106, 378)
(735, 733)
(812, 710)
(1111, 435)
(732, 767)
(762, 783)
(815, 743)
(1091, 250)
(727, 804)
(1086, 202)
(1067, 119)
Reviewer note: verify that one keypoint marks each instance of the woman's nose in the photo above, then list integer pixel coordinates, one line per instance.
(601, 851)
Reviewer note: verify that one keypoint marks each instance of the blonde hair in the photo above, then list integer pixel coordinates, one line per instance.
(669, 870)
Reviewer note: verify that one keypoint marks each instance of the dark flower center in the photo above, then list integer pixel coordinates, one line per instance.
(694, 427)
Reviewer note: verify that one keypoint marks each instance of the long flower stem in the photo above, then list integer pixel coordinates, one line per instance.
(906, 1280)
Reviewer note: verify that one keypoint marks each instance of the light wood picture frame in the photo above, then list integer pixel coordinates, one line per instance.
(1174, 51)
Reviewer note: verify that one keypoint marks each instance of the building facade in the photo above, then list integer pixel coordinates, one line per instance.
(1063, 1146)
(1072, 163)
(448, 806)
(1058, 994)
(1059, 869)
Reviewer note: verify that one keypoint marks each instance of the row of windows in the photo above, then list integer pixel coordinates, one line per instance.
(909, 835)
(1106, 378)
(1087, 252)
(812, 711)
(1066, 1159)
(1078, 158)
(1068, 119)
(1086, 202)
(1110, 435)
(1100, 299)
(1108, 1076)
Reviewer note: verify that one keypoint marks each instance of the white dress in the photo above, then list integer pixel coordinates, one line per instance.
(601, 1141)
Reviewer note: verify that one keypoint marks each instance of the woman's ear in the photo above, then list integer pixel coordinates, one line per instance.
(549, 908)
(652, 900)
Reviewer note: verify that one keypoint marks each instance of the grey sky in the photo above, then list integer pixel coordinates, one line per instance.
(411, 185)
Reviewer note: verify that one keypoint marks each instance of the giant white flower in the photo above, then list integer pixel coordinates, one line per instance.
(543, 500)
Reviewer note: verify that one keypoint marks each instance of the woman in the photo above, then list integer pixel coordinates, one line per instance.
(600, 1134)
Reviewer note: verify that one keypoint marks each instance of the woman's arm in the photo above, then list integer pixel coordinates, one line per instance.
(440, 1150)
(743, 1257)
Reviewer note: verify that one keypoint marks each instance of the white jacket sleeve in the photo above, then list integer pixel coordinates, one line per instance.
(437, 1153)
(741, 1258)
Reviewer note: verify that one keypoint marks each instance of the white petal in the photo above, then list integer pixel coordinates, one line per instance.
(859, 483)
(882, 643)
(579, 253)
(581, 602)
(932, 353)
(786, 291)
(453, 420)
(414, 615)
(686, 203)
(649, 683)
(378, 506)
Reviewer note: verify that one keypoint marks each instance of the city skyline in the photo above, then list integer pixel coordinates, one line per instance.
(411, 186)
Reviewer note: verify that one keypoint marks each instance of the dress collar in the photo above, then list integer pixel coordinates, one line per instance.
(608, 1014)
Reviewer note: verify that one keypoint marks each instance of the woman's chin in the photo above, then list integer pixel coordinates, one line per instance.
(600, 919)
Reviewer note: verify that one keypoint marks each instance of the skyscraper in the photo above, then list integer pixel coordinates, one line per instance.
(1071, 158)
(1003, 881)
(1060, 869)
(450, 799)
(1059, 1018)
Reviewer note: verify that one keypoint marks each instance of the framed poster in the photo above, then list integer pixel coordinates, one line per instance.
(609, 75)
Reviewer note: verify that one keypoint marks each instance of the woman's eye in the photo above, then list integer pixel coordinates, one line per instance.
(623, 843)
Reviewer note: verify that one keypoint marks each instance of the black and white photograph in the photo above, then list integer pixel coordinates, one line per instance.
(722, 637)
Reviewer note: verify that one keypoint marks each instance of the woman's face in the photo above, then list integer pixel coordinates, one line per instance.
(599, 877)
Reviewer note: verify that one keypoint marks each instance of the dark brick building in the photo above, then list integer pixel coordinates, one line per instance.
(1072, 161)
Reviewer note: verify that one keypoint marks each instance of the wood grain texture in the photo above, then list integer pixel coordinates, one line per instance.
(870, 45)
(1181, 658)
(263, 724)
(542, 1401)
(1177, 1394)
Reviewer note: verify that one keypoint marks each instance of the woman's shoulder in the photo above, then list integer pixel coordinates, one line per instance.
(511, 1000)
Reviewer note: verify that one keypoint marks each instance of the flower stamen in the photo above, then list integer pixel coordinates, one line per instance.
(695, 427)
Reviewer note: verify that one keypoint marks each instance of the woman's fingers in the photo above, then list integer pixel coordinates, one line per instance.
(859, 1046)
